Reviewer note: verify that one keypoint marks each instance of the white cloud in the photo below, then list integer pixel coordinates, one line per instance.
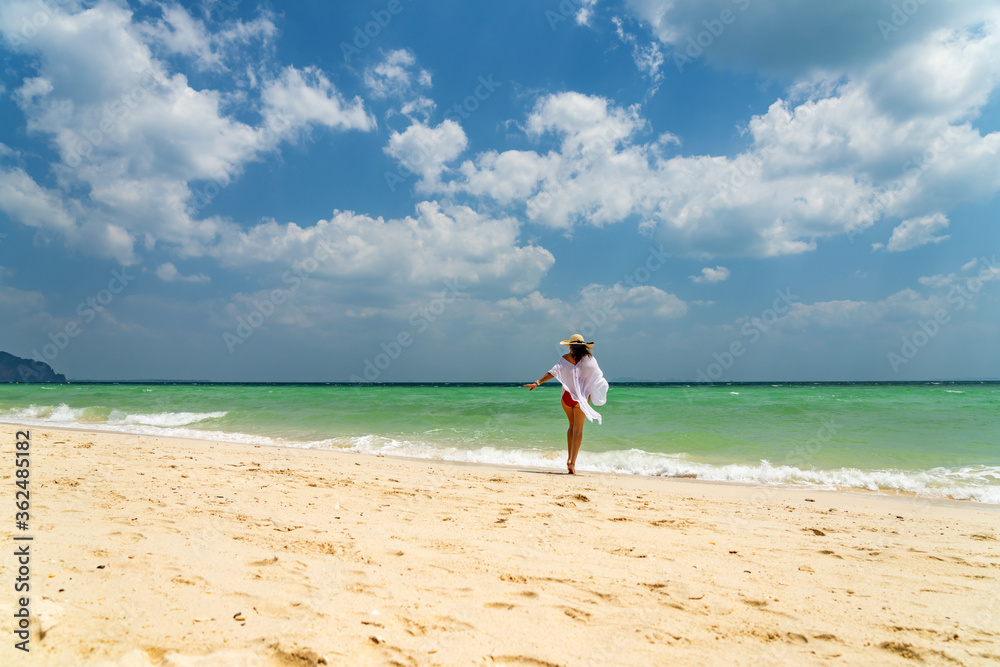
(585, 123)
(991, 273)
(508, 176)
(585, 11)
(441, 242)
(710, 275)
(632, 301)
(704, 205)
(794, 38)
(302, 97)
(177, 32)
(899, 311)
(601, 307)
(425, 150)
(901, 306)
(398, 76)
(535, 302)
(648, 59)
(939, 280)
(168, 273)
(27, 202)
(836, 158)
(916, 232)
(987, 270)
(134, 140)
(54, 216)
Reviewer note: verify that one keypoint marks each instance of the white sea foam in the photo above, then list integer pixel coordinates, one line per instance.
(54, 414)
(62, 414)
(976, 483)
(980, 484)
(163, 419)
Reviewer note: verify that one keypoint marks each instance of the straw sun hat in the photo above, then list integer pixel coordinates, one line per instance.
(576, 339)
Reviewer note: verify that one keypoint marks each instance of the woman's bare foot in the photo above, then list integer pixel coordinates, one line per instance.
(571, 468)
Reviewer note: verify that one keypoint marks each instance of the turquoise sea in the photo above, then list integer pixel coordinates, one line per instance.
(932, 439)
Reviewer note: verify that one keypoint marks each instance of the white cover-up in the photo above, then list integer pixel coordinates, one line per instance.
(583, 380)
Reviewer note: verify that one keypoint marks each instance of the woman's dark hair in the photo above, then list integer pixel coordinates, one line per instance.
(579, 352)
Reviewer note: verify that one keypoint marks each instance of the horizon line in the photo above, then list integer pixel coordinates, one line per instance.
(628, 381)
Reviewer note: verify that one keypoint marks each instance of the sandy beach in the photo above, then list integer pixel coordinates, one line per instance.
(160, 551)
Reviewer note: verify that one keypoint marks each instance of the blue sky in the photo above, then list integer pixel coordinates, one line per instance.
(727, 190)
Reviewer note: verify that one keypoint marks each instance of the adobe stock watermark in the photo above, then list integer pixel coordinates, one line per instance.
(266, 307)
(899, 17)
(697, 45)
(419, 321)
(752, 330)
(597, 318)
(33, 24)
(363, 34)
(86, 311)
(959, 296)
(410, 163)
(886, 195)
(567, 9)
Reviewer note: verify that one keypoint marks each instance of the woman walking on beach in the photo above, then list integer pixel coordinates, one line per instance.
(582, 382)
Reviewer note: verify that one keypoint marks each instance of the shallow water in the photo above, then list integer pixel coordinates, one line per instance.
(931, 439)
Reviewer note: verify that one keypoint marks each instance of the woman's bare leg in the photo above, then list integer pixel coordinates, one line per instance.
(574, 435)
(569, 438)
(579, 420)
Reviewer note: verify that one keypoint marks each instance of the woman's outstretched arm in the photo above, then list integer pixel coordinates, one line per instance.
(545, 378)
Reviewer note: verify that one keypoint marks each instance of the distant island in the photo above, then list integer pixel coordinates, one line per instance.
(16, 369)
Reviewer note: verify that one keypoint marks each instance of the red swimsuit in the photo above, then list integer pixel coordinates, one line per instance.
(570, 403)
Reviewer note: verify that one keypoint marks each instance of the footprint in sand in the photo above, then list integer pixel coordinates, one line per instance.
(576, 614)
(903, 650)
(298, 655)
(760, 604)
(191, 580)
(522, 660)
(264, 561)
